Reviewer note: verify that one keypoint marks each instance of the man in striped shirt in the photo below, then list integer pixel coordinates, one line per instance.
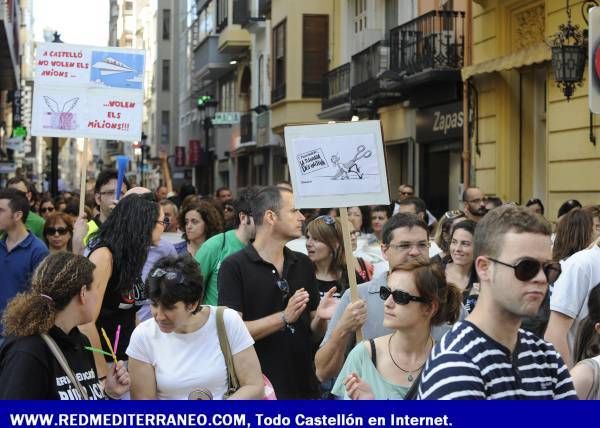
(488, 356)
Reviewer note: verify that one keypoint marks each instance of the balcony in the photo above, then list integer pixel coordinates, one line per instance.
(233, 39)
(253, 14)
(335, 101)
(278, 93)
(429, 48)
(246, 128)
(209, 63)
(372, 82)
(9, 45)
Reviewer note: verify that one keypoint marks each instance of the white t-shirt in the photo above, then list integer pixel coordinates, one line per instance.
(184, 362)
(580, 273)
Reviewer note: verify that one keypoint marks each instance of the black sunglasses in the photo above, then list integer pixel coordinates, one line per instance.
(526, 269)
(165, 221)
(46, 209)
(399, 296)
(55, 230)
(284, 287)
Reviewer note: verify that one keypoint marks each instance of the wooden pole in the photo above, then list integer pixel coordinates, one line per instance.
(350, 263)
(83, 182)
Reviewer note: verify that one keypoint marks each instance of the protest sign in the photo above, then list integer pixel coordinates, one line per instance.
(84, 91)
(337, 165)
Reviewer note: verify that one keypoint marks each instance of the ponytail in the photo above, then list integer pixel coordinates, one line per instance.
(28, 314)
(449, 305)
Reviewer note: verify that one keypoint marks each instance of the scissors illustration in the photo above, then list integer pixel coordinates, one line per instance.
(351, 166)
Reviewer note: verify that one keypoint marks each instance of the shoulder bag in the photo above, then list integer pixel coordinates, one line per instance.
(62, 360)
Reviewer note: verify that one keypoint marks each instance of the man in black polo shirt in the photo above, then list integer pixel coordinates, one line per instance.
(275, 291)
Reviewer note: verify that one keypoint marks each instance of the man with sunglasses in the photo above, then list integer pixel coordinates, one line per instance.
(275, 291)
(405, 237)
(474, 203)
(488, 356)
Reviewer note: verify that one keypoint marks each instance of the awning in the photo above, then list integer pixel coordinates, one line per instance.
(535, 54)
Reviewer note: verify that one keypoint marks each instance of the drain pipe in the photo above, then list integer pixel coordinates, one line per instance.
(466, 154)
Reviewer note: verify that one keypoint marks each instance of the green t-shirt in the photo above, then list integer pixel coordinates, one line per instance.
(35, 224)
(359, 362)
(210, 255)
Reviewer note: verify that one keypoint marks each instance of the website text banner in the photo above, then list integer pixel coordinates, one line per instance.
(260, 414)
(84, 91)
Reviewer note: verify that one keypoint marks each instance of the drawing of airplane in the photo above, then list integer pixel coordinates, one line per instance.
(112, 66)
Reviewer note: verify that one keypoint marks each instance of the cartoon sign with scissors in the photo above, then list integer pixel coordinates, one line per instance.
(346, 168)
(337, 162)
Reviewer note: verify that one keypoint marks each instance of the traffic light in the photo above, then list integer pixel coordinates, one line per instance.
(202, 101)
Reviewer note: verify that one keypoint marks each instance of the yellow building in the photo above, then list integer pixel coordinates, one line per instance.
(529, 141)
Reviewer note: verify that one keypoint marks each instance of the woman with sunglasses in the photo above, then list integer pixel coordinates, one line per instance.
(62, 297)
(177, 354)
(119, 250)
(586, 373)
(47, 207)
(460, 270)
(58, 232)
(416, 298)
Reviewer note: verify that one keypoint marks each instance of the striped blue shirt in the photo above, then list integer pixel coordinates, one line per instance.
(468, 364)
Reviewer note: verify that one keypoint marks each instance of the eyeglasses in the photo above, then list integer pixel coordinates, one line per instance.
(110, 193)
(165, 222)
(168, 274)
(354, 233)
(406, 246)
(451, 215)
(47, 209)
(284, 287)
(55, 230)
(407, 193)
(527, 268)
(400, 297)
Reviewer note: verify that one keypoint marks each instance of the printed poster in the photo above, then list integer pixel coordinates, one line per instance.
(337, 165)
(83, 91)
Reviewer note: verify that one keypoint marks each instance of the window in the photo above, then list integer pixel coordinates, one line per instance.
(278, 91)
(128, 6)
(166, 24)
(261, 76)
(166, 74)
(227, 95)
(360, 15)
(206, 21)
(315, 43)
(164, 127)
(222, 12)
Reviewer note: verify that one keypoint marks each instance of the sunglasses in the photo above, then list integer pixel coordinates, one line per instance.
(451, 215)
(55, 230)
(168, 274)
(47, 209)
(400, 297)
(327, 219)
(165, 222)
(284, 287)
(527, 268)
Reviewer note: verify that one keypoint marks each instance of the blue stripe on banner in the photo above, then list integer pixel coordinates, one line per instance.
(258, 414)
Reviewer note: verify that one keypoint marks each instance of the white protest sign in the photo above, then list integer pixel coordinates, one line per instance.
(337, 165)
(84, 91)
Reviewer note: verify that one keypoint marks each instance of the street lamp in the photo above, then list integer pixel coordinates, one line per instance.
(207, 107)
(143, 147)
(569, 52)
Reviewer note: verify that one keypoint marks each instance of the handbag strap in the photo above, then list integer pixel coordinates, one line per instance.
(60, 357)
(232, 380)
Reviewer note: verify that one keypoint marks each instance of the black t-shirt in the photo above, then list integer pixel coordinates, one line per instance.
(249, 284)
(29, 370)
(119, 308)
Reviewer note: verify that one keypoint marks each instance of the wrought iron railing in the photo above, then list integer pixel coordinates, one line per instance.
(367, 67)
(434, 40)
(246, 127)
(252, 10)
(336, 87)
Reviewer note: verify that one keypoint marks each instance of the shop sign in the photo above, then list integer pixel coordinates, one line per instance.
(226, 118)
(443, 122)
(194, 152)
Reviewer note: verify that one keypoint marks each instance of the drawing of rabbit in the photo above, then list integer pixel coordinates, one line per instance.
(61, 118)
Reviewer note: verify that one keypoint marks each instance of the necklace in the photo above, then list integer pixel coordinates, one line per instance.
(409, 373)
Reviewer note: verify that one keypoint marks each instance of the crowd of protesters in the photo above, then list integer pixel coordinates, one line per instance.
(152, 295)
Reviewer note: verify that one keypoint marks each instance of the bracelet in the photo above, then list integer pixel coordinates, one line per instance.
(286, 324)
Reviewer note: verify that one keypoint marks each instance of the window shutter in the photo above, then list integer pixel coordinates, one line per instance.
(315, 47)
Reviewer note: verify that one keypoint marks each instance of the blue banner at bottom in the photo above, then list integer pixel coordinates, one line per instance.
(259, 414)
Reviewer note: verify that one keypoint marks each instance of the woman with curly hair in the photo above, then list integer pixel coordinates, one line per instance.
(58, 232)
(119, 249)
(200, 220)
(62, 296)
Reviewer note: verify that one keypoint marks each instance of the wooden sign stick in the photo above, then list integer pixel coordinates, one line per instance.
(83, 182)
(350, 263)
